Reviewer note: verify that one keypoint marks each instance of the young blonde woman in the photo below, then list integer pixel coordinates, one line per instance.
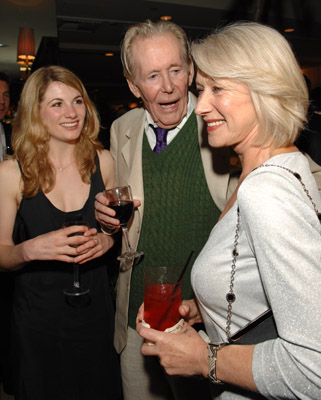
(62, 345)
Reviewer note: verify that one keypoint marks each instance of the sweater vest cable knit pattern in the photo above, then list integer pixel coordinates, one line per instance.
(179, 212)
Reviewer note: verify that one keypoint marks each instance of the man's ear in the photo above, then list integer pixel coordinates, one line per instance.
(133, 88)
(191, 74)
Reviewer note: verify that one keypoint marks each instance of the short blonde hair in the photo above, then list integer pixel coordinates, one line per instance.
(30, 139)
(146, 30)
(261, 58)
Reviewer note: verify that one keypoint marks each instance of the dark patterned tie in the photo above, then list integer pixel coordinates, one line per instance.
(161, 135)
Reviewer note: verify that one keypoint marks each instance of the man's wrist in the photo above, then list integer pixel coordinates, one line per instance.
(108, 230)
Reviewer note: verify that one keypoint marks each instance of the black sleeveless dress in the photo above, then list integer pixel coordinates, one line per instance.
(62, 345)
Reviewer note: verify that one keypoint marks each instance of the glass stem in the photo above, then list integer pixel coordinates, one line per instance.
(76, 276)
(125, 232)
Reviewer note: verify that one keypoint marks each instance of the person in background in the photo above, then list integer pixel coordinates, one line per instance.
(182, 184)
(62, 346)
(265, 251)
(5, 129)
(6, 280)
(309, 139)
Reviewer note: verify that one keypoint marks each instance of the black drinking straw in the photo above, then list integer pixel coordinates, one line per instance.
(176, 287)
(183, 271)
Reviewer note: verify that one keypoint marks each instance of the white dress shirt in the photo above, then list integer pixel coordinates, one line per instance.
(173, 132)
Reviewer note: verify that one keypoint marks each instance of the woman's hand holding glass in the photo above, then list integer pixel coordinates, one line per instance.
(189, 310)
(76, 289)
(181, 353)
(85, 247)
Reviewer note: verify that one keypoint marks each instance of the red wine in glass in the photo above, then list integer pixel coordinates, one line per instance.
(77, 289)
(121, 200)
(124, 210)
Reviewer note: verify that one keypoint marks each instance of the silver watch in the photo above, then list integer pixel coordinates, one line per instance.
(212, 349)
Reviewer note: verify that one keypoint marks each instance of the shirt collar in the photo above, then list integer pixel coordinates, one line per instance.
(190, 108)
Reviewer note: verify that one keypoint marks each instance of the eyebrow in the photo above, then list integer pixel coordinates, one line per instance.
(59, 99)
(171, 66)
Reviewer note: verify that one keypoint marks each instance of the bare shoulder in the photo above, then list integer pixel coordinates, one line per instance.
(10, 178)
(107, 168)
(105, 158)
(9, 172)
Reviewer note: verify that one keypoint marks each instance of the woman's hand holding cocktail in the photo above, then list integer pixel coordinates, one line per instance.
(181, 353)
(190, 312)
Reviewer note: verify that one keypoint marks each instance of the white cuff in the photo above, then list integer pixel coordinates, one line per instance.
(106, 230)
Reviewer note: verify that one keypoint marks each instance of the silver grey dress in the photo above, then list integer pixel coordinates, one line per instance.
(279, 263)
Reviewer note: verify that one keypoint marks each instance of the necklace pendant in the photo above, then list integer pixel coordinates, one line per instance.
(60, 169)
(230, 297)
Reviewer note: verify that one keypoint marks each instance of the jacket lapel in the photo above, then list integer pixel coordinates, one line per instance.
(132, 154)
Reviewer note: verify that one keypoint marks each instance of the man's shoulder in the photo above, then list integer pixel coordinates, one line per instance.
(137, 114)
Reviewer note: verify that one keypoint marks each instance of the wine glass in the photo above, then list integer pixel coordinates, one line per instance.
(76, 289)
(121, 200)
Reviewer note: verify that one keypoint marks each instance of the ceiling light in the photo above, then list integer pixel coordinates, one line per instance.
(109, 54)
(26, 44)
(26, 48)
(166, 18)
(289, 30)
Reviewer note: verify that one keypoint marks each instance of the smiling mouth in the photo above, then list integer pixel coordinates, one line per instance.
(217, 123)
(69, 124)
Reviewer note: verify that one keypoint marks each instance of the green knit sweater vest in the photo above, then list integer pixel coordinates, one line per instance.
(179, 211)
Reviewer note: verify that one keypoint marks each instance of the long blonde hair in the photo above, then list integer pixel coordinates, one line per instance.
(30, 139)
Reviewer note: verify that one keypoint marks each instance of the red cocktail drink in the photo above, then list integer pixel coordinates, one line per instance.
(162, 298)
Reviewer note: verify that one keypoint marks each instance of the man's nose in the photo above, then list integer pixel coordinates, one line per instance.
(168, 85)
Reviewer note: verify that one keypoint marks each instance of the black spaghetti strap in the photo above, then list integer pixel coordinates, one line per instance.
(19, 166)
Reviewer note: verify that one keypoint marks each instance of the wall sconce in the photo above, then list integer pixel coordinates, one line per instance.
(26, 50)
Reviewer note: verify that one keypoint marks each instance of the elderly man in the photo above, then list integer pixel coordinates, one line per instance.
(182, 188)
(182, 185)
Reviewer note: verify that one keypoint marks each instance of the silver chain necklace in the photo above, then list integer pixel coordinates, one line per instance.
(230, 296)
(60, 169)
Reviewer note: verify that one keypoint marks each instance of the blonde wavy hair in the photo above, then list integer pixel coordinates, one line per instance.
(147, 30)
(262, 59)
(30, 139)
